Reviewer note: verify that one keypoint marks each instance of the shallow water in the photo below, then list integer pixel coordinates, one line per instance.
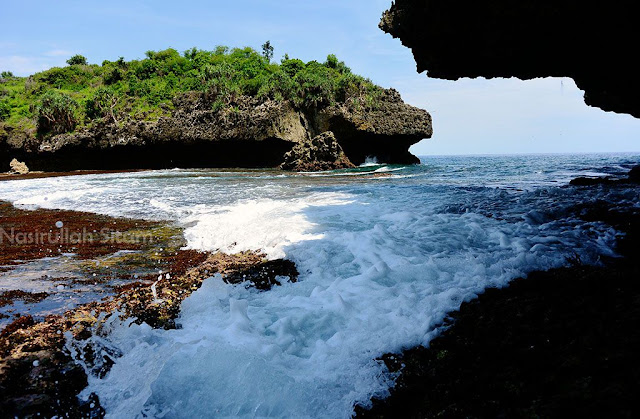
(384, 253)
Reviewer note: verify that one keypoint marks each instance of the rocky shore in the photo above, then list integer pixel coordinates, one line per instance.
(41, 174)
(38, 376)
(562, 342)
(558, 342)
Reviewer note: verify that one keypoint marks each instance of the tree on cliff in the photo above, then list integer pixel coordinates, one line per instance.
(56, 113)
(267, 51)
(77, 60)
(102, 105)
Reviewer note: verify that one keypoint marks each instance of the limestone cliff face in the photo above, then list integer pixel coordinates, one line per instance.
(251, 134)
(319, 153)
(592, 43)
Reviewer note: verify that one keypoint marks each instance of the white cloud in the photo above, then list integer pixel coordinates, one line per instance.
(26, 65)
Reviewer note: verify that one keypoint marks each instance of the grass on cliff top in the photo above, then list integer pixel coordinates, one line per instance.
(61, 100)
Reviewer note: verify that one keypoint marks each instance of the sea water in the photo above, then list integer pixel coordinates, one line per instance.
(384, 253)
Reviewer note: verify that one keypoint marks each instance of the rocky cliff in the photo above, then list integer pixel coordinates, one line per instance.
(589, 42)
(252, 134)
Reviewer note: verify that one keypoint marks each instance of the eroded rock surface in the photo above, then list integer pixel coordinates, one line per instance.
(319, 153)
(251, 134)
(589, 42)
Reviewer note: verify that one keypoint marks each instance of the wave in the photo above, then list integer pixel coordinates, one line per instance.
(381, 264)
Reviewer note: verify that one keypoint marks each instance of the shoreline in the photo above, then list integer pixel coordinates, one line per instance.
(473, 348)
(40, 175)
(38, 375)
(561, 341)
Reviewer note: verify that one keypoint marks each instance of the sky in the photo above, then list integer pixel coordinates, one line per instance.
(497, 116)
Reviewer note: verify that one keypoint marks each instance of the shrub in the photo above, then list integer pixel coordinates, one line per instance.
(292, 67)
(56, 113)
(220, 77)
(221, 50)
(6, 75)
(335, 64)
(102, 104)
(77, 60)
(69, 78)
(349, 86)
(146, 69)
(316, 86)
(112, 75)
(279, 86)
(5, 110)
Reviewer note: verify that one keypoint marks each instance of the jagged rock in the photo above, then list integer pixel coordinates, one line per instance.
(18, 168)
(588, 42)
(264, 275)
(252, 133)
(319, 153)
(632, 177)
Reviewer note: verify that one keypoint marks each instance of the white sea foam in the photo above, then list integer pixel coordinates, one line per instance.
(370, 161)
(308, 349)
(263, 225)
(376, 277)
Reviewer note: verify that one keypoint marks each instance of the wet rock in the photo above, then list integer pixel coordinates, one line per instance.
(39, 374)
(563, 342)
(590, 181)
(632, 177)
(87, 235)
(265, 275)
(37, 377)
(8, 297)
(319, 153)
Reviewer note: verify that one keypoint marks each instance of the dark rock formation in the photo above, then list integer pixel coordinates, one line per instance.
(589, 42)
(560, 343)
(319, 153)
(252, 134)
(632, 177)
(264, 275)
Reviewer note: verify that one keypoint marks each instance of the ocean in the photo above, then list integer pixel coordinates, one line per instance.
(384, 253)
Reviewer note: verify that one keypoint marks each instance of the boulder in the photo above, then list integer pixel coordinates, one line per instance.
(18, 168)
(319, 153)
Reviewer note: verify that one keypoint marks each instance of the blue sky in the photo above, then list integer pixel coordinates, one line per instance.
(470, 116)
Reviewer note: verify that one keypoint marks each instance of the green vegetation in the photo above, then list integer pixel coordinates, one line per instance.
(267, 51)
(56, 113)
(77, 60)
(63, 99)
